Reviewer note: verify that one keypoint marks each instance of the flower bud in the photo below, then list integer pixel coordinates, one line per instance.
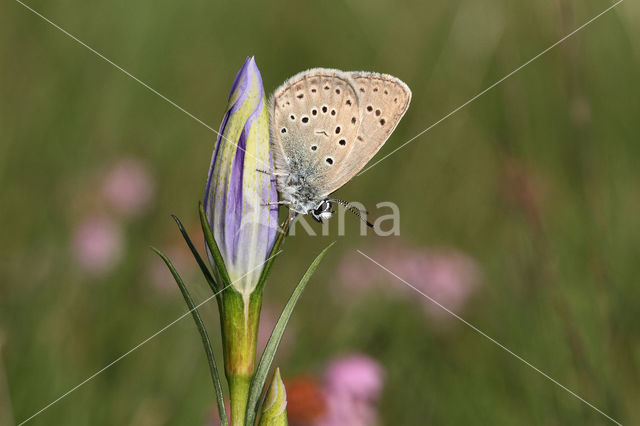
(274, 410)
(240, 185)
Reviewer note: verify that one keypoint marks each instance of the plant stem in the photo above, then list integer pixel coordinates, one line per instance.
(241, 335)
(239, 394)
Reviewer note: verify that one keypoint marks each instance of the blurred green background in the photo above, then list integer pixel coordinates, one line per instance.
(537, 181)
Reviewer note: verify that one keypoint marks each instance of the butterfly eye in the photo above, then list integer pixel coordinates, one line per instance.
(283, 130)
(329, 160)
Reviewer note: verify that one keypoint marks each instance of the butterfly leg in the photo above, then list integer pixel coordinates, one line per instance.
(275, 172)
(276, 203)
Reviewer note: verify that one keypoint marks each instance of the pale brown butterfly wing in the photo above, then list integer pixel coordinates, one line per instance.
(315, 118)
(383, 100)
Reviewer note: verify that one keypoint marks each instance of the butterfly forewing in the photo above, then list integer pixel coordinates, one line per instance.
(383, 100)
(315, 120)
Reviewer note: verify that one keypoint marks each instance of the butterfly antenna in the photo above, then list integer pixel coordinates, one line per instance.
(353, 209)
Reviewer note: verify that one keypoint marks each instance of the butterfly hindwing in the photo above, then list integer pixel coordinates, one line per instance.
(383, 100)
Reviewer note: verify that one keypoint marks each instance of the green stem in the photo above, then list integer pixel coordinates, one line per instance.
(240, 331)
(239, 395)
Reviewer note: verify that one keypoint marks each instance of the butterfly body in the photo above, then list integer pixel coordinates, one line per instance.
(325, 125)
(298, 187)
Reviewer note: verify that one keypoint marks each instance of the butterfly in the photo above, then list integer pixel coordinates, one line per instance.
(325, 125)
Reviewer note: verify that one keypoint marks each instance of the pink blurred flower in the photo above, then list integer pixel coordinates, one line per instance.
(343, 409)
(356, 375)
(97, 244)
(447, 276)
(358, 273)
(352, 388)
(454, 278)
(128, 187)
(348, 395)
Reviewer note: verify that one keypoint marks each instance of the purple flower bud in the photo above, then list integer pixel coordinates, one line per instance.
(238, 191)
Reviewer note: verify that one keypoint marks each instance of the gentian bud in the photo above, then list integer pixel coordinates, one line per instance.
(244, 226)
(240, 186)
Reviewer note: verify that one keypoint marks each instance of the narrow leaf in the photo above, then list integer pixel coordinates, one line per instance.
(213, 248)
(203, 266)
(213, 369)
(259, 379)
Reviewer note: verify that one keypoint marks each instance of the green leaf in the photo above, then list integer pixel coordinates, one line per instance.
(259, 379)
(213, 369)
(203, 266)
(274, 250)
(213, 248)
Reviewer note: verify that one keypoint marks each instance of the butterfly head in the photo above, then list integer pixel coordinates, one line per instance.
(322, 211)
